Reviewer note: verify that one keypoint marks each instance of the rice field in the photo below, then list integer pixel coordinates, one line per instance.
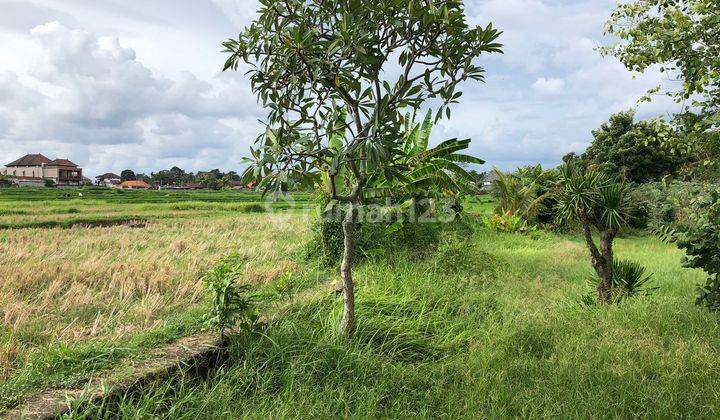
(64, 288)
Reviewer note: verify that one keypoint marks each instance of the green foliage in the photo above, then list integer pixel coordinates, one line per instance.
(209, 181)
(373, 239)
(312, 66)
(49, 183)
(703, 157)
(254, 208)
(525, 193)
(231, 302)
(659, 204)
(6, 181)
(421, 171)
(595, 201)
(682, 37)
(638, 151)
(629, 279)
(593, 198)
(506, 222)
(128, 175)
(699, 236)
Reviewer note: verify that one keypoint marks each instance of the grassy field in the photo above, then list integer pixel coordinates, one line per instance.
(490, 326)
(77, 300)
(487, 325)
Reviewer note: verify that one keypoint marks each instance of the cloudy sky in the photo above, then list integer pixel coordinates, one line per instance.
(115, 84)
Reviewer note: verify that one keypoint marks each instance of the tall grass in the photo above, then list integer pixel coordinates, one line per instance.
(73, 288)
(490, 327)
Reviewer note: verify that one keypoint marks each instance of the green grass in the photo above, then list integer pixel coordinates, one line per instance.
(68, 365)
(23, 208)
(489, 326)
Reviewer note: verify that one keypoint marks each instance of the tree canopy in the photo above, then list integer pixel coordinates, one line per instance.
(336, 77)
(682, 37)
(638, 151)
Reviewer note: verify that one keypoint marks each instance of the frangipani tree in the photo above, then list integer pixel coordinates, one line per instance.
(683, 38)
(313, 60)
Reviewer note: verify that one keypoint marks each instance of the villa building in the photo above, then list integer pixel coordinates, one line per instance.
(36, 169)
(109, 179)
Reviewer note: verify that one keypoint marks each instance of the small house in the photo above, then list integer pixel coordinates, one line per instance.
(136, 184)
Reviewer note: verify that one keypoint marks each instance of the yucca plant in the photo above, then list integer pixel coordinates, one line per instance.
(630, 279)
(595, 201)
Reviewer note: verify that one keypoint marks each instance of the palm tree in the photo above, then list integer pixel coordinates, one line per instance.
(517, 193)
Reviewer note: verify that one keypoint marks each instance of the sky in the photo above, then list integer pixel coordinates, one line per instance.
(116, 84)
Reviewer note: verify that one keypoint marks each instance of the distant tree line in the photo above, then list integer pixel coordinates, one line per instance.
(214, 179)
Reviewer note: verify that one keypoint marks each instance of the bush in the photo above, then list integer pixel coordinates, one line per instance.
(699, 236)
(629, 279)
(254, 208)
(373, 239)
(658, 204)
(505, 222)
(526, 192)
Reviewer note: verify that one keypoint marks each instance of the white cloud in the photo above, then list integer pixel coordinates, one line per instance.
(92, 91)
(138, 84)
(549, 86)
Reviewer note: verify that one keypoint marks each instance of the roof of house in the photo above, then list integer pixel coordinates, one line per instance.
(63, 162)
(30, 160)
(108, 175)
(137, 183)
(491, 177)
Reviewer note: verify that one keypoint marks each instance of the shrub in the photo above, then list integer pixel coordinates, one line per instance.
(373, 239)
(629, 279)
(231, 303)
(699, 236)
(666, 203)
(527, 192)
(254, 208)
(505, 222)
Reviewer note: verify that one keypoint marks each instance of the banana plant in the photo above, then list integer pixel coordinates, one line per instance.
(420, 170)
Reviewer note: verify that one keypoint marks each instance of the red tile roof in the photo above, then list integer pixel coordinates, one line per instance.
(108, 175)
(30, 160)
(63, 162)
(135, 184)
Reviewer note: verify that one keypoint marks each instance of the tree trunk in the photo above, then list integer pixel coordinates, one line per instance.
(601, 261)
(347, 324)
(606, 279)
